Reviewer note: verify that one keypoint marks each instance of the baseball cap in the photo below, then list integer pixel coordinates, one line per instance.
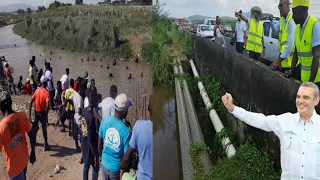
(28, 80)
(43, 79)
(4, 96)
(85, 75)
(122, 102)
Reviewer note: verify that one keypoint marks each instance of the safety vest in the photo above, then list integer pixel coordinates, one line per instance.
(255, 36)
(304, 50)
(282, 43)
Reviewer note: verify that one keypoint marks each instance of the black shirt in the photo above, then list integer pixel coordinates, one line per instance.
(88, 135)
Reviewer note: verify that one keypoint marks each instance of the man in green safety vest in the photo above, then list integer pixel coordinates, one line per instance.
(286, 29)
(307, 42)
(255, 44)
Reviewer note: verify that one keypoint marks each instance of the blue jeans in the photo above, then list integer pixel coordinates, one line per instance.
(95, 172)
(21, 176)
(110, 175)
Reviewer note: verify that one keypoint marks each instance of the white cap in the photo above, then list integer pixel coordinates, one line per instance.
(122, 102)
(28, 80)
(5, 63)
(43, 79)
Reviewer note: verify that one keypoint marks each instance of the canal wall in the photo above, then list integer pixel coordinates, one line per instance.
(252, 84)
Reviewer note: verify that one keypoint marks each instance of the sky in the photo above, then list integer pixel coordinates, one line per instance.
(212, 8)
(43, 2)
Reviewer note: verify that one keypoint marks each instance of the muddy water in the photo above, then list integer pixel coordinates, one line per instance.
(166, 147)
(18, 51)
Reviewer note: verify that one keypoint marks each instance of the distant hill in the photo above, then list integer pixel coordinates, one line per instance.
(197, 17)
(15, 7)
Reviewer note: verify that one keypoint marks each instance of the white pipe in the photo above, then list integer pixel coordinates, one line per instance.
(218, 126)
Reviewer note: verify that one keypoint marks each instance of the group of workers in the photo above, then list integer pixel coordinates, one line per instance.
(299, 39)
(298, 133)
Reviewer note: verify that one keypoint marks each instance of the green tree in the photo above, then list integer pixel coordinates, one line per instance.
(21, 11)
(55, 4)
(29, 10)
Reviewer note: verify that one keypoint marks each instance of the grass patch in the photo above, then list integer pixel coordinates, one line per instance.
(105, 29)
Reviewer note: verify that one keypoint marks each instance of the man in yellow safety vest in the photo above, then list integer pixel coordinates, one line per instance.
(255, 44)
(286, 29)
(307, 42)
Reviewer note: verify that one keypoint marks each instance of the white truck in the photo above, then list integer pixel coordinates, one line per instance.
(209, 21)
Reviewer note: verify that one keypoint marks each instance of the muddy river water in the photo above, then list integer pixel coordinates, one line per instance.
(18, 51)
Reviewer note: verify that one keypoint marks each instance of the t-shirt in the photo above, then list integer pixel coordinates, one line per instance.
(78, 103)
(13, 140)
(49, 76)
(241, 27)
(7, 73)
(116, 136)
(67, 96)
(107, 106)
(141, 139)
(89, 135)
(41, 96)
(65, 82)
(218, 32)
(31, 73)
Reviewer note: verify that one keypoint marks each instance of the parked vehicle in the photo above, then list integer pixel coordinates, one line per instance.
(209, 21)
(193, 28)
(227, 27)
(205, 31)
(181, 21)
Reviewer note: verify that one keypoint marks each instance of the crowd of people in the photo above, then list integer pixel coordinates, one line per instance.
(99, 127)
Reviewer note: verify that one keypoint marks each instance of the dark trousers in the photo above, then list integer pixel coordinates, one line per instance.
(239, 47)
(255, 56)
(52, 99)
(43, 118)
(70, 117)
(95, 172)
(76, 132)
(34, 87)
(296, 72)
(13, 86)
(21, 176)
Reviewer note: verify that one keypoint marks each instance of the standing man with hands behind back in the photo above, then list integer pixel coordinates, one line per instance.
(307, 42)
(298, 133)
(286, 29)
(255, 44)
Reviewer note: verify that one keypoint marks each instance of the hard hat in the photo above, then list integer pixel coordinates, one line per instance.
(296, 3)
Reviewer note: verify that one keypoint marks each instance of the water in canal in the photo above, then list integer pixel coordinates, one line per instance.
(166, 146)
(18, 51)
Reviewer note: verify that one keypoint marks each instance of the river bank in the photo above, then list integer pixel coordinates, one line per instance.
(118, 31)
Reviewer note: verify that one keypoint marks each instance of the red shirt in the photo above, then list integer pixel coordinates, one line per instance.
(41, 97)
(75, 86)
(28, 89)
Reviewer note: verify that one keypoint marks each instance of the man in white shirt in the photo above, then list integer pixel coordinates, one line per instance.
(299, 133)
(107, 105)
(50, 85)
(65, 80)
(240, 34)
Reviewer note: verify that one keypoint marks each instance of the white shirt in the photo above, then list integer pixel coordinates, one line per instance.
(78, 103)
(86, 102)
(218, 32)
(49, 76)
(65, 82)
(241, 27)
(300, 143)
(107, 106)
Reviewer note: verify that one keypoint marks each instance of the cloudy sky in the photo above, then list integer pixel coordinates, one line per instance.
(212, 8)
(44, 2)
